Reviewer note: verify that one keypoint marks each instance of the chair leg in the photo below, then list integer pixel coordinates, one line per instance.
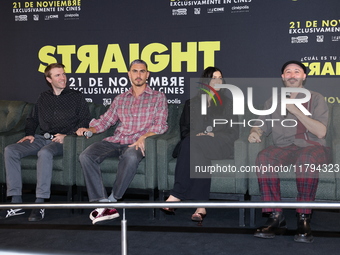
(252, 217)
(3, 193)
(161, 199)
(69, 194)
(241, 213)
(80, 198)
(79, 193)
(152, 199)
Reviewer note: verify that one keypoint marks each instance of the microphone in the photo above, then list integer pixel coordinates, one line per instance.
(87, 134)
(208, 130)
(48, 136)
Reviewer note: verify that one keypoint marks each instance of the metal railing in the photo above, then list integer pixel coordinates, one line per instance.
(135, 205)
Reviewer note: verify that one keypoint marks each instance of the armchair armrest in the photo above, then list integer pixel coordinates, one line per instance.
(150, 160)
(336, 151)
(336, 162)
(241, 155)
(69, 163)
(7, 138)
(254, 149)
(165, 146)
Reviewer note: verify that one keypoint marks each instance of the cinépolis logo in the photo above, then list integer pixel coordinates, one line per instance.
(239, 105)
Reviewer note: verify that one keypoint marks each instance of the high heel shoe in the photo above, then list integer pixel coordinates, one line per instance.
(170, 211)
(198, 217)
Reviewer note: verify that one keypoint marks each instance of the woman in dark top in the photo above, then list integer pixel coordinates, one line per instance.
(201, 142)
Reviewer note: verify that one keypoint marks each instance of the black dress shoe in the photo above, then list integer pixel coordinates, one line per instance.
(304, 231)
(275, 224)
(36, 215)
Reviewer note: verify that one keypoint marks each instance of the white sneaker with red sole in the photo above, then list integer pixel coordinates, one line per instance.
(101, 215)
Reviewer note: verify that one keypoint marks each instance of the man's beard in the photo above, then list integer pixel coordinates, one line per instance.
(139, 84)
(293, 81)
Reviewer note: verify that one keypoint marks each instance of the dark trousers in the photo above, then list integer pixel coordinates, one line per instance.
(196, 151)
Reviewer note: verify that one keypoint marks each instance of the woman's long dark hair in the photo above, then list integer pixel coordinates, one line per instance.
(208, 74)
(205, 79)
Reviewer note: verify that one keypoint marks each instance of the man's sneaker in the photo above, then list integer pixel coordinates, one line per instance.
(37, 215)
(10, 213)
(103, 214)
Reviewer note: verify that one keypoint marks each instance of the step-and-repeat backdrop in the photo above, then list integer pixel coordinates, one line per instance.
(96, 40)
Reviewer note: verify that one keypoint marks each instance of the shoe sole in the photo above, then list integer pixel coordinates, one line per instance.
(197, 218)
(91, 217)
(279, 231)
(265, 236)
(37, 217)
(301, 239)
(106, 221)
(34, 219)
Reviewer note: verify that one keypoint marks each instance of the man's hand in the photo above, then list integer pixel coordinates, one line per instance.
(140, 143)
(209, 134)
(80, 131)
(254, 138)
(58, 138)
(255, 135)
(29, 138)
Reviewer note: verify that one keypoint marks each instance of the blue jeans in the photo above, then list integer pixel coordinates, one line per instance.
(45, 150)
(95, 154)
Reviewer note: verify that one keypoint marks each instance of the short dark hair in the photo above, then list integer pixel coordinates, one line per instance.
(294, 62)
(138, 61)
(50, 67)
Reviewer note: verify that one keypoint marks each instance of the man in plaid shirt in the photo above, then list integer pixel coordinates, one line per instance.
(300, 145)
(140, 112)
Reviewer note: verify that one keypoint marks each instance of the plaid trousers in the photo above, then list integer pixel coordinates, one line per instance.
(306, 180)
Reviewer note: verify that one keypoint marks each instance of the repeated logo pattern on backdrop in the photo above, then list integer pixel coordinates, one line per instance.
(96, 41)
